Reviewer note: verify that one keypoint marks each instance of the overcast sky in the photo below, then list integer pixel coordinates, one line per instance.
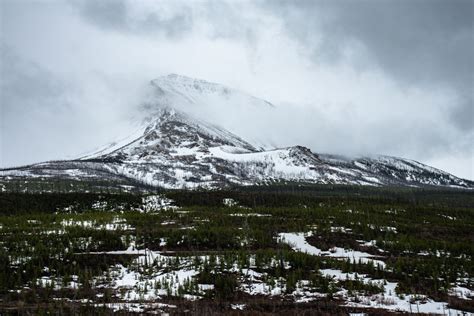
(350, 77)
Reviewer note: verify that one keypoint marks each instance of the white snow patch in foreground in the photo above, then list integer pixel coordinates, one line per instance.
(237, 306)
(135, 307)
(462, 292)
(154, 203)
(386, 300)
(298, 242)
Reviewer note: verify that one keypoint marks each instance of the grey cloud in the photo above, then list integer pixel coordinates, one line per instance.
(107, 14)
(227, 20)
(418, 43)
(48, 116)
(419, 39)
(116, 15)
(463, 114)
(224, 19)
(25, 85)
(29, 95)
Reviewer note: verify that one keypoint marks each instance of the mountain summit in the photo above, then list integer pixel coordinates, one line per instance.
(174, 149)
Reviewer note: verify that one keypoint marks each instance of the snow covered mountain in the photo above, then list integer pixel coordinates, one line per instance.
(173, 149)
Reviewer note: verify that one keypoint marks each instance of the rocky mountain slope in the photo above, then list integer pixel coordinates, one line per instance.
(173, 149)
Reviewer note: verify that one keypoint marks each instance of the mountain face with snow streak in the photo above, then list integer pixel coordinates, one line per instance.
(174, 149)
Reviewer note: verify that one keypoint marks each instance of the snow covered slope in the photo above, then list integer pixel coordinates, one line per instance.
(173, 149)
(175, 90)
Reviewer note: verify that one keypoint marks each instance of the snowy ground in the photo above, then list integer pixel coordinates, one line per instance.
(299, 243)
(389, 299)
(156, 254)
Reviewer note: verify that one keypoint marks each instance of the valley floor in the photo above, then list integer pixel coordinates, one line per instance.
(255, 251)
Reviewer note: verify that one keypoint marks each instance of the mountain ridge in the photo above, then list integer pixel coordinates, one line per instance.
(173, 149)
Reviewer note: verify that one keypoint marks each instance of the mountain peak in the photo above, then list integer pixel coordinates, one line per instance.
(179, 78)
(182, 84)
(168, 122)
